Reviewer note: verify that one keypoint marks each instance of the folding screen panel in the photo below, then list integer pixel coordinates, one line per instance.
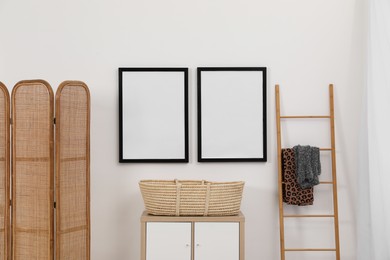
(72, 171)
(32, 170)
(4, 172)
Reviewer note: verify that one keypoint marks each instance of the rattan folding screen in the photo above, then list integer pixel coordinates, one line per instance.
(33, 171)
(4, 172)
(72, 171)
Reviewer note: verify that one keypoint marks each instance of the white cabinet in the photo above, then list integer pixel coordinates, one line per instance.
(192, 238)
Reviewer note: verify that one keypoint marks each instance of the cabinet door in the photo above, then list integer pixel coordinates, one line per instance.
(217, 240)
(168, 241)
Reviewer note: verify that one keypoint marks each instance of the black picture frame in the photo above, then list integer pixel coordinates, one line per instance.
(153, 115)
(232, 114)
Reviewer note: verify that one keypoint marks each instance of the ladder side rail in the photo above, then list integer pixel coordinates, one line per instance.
(334, 178)
(280, 179)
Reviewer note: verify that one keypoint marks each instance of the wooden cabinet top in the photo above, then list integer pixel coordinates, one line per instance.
(145, 217)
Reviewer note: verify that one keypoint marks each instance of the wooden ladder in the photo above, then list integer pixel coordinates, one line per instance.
(332, 182)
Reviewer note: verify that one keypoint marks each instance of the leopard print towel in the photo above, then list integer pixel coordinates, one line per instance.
(293, 194)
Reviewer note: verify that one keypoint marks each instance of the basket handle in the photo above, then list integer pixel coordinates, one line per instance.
(178, 188)
(206, 206)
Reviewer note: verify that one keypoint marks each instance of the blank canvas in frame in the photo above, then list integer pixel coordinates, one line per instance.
(232, 114)
(153, 108)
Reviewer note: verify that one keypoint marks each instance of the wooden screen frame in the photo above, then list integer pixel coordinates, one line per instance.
(6, 226)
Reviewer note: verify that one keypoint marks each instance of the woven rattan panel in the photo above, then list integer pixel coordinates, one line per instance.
(32, 170)
(72, 171)
(4, 172)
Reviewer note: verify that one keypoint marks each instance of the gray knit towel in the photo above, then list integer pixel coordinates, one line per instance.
(307, 161)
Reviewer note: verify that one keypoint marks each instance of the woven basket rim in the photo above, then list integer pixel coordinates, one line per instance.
(188, 182)
(191, 197)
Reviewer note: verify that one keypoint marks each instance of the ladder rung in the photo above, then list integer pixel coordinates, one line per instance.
(326, 182)
(321, 182)
(310, 249)
(304, 116)
(308, 216)
(322, 149)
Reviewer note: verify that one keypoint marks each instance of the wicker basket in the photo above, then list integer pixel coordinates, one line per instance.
(191, 198)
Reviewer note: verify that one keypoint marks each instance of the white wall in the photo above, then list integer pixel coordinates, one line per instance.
(305, 44)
